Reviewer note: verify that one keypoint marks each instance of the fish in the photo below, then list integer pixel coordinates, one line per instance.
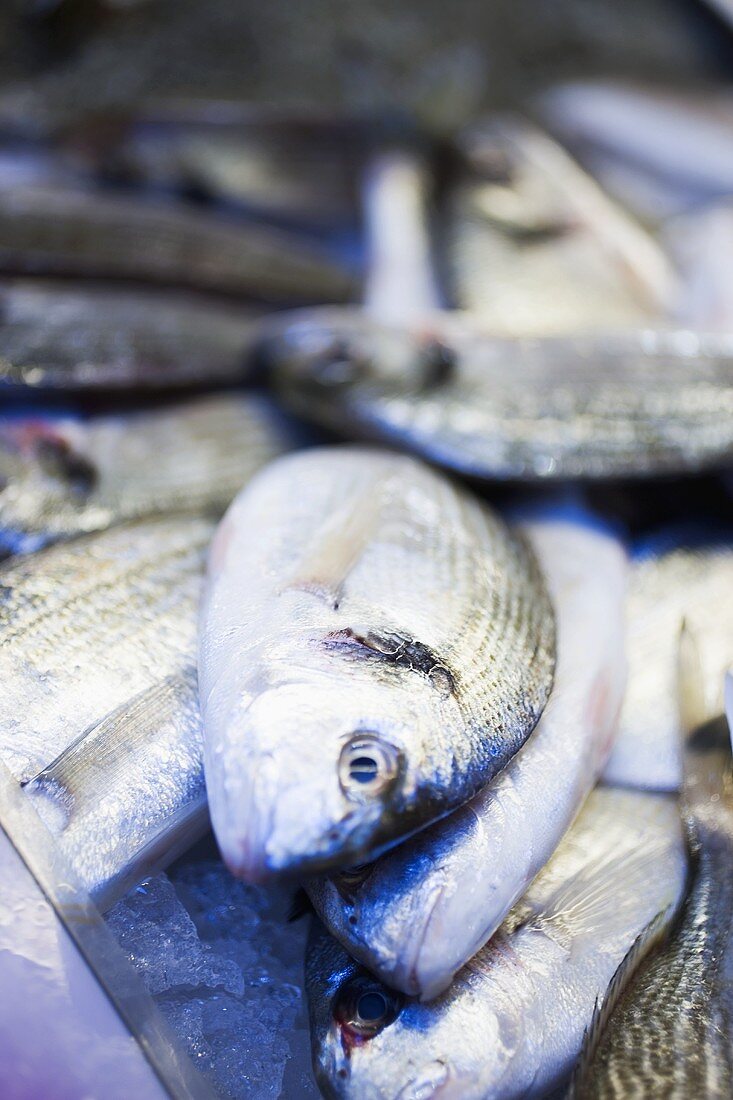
(700, 243)
(637, 404)
(79, 336)
(667, 1032)
(678, 572)
(99, 715)
(375, 646)
(512, 1022)
(418, 914)
(535, 247)
(75, 231)
(61, 477)
(677, 155)
(284, 165)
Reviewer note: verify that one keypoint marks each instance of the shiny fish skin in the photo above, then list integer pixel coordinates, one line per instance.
(423, 910)
(670, 1033)
(70, 232)
(61, 477)
(375, 646)
(87, 626)
(129, 796)
(512, 1023)
(82, 336)
(97, 656)
(677, 573)
(638, 404)
(535, 246)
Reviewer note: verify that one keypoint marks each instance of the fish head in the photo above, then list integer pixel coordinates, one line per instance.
(348, 358)
(314, 771)
(372, 1043)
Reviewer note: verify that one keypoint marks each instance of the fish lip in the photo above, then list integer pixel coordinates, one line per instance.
(407, 976)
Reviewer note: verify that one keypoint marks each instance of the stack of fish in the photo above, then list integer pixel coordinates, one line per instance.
(416, 652)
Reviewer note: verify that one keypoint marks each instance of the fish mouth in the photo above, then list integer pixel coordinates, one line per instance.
(413, 974)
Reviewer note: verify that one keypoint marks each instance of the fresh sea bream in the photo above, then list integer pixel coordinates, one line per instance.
(84, 336)
(667, 1033)
(678, 573)
(535, 246)
(512, 1023)
(375, 646)
(101, 235)
(424, 909)
(61, 476)
(98, 712)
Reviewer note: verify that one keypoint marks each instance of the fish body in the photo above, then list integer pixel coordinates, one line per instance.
(513, 1020)
(537, 248)
(81, 336)
(375, 646)
(99, 715)
(77, 232)
(622, 405)
(424, 909)
(61, 477)
(669, 1032)
(677, 574)
(678, 155)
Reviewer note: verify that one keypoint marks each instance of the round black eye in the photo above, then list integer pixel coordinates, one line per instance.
(367, 766)
(365, 1007)
(339, 365)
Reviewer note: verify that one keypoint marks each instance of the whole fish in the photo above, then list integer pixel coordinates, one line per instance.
(423, 910)
(668, 1034)
(375, 646)
(638, 404)
(79, 232)
(99, 714)
(536, 247)
(678, 573)
(81, 336)
(512, 1023)
(61, 477)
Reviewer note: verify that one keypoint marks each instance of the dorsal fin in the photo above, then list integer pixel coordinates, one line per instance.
(648, 939)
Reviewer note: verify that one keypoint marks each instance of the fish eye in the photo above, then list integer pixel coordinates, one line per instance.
(338, 364)
(365, 1007)
(366, 766)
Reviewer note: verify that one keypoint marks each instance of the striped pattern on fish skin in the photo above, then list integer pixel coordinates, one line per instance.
(536, 248)
(375, 646)
(87, 626)
(94, 235)
(678, 573)
(512, 1022)
(669, 1035)
(63, 477)
(420, 912)
(77, 336)
(639, 404)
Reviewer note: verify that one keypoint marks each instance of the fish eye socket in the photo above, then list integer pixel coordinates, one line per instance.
(365, 1007)
(367, 766)
(339, 364)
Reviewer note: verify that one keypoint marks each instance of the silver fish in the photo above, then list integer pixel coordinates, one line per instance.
(637, 404)
(669, 1033)
(78, 232)
(422, 911)
(81, 336)
(375, 646)
(61, 477)
(512, 1023)
(536, 247)
(677, 574)
(98, 713)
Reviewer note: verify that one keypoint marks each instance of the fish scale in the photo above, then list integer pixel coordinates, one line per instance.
(353, 544)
